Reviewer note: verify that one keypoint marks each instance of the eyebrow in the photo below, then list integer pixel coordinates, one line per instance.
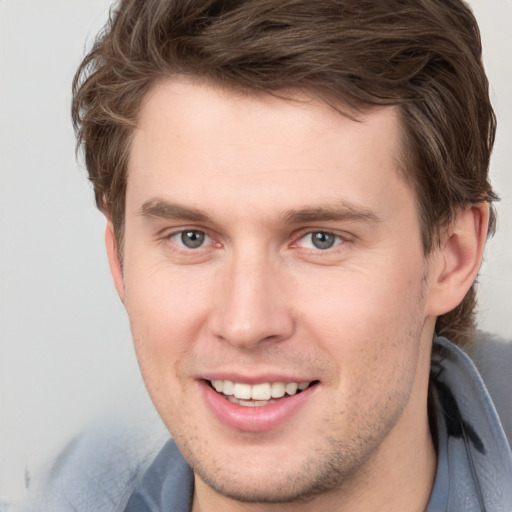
(340, 211)
(158, 208)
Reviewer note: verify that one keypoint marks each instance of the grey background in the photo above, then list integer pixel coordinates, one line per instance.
(66, 357)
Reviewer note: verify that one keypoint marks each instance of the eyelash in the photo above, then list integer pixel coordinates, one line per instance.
(177, 238)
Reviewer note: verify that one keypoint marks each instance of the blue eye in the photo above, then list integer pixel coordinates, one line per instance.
(320, 240)
(190, 238)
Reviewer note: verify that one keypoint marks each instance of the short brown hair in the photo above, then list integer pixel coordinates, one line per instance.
(423, 56)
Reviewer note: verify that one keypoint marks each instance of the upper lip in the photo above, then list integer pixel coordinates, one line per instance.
(255, 379)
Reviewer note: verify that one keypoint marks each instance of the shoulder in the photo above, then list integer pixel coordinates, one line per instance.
(492, 356)
(167, 484)
(98, 469)
(474, 458)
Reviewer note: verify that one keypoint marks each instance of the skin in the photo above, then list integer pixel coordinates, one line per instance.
(257, 175)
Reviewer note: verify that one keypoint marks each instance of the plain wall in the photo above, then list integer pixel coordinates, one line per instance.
(65, 348)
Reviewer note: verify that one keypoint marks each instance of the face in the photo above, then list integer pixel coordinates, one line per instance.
(276, 287)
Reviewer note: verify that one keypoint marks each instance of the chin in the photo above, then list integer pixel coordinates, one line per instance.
(283, 489)
(251, 479)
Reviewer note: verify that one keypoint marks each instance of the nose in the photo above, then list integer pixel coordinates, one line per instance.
(251, 306)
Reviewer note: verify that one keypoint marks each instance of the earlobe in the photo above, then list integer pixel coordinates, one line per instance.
(114, 260)
(457, 262)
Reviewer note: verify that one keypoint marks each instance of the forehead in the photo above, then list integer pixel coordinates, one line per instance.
(193, 136)
(199, 106)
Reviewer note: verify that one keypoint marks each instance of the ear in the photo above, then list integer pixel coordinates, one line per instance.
(456, 263)
(114, 260)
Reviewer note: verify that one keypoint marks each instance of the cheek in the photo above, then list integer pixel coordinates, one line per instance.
(162, 321)
(369, 324)
(357, 302)
(166, 313)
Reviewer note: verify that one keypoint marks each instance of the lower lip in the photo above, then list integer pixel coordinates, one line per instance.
(254, 419)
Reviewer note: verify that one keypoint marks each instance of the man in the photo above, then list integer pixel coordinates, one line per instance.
(297, 202)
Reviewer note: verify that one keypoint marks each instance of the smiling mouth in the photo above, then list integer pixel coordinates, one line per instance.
(257, 395)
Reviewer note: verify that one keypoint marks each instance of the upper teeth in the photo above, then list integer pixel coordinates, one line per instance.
(263, 391)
